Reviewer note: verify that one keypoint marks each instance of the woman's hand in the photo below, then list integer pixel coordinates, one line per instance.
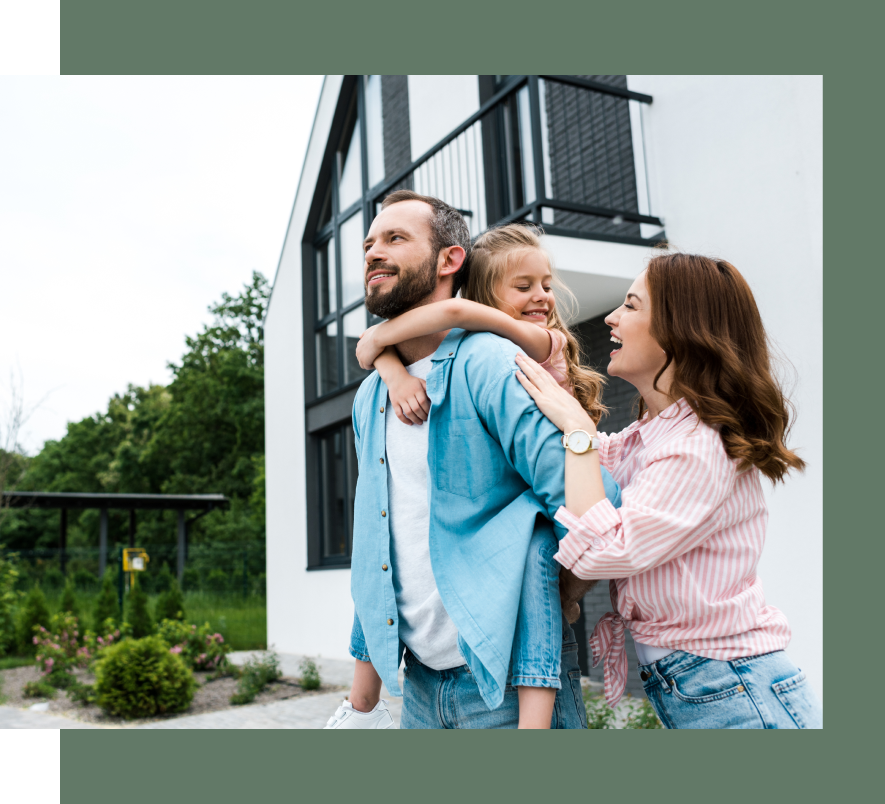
(553, 401)
(368, 349)
(409, 399)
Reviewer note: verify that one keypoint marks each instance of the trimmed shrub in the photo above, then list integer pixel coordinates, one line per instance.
(107, 606)
(142, 678)
(34, 613)
(38, 689)
(138, 615)
(170, 605)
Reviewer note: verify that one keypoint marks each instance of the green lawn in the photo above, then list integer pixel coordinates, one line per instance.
(241, 620)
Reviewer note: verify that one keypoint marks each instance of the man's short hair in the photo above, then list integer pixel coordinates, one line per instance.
(447, 227)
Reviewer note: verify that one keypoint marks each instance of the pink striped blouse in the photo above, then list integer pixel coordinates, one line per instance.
(684, 547)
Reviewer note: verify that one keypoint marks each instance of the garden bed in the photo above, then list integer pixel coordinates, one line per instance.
(211, 696)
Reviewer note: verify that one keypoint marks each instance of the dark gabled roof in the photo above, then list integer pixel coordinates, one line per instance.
(165, 502)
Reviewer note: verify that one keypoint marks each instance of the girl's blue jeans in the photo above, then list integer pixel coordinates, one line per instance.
(757, 692)
(537, 643)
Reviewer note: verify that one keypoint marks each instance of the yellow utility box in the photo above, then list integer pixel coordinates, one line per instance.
(135, 559)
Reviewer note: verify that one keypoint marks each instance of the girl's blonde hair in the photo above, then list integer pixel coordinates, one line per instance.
(492, 255)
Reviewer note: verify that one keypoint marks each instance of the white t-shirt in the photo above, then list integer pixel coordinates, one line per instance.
(424, 624)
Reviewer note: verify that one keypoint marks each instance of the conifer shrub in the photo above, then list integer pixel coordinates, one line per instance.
(8, 598)
(163, 579)
(68, 601)
(217, 581)
(107, 605)
(137, 614)
(53, 579)
(34, 613)
(85, 581)
(191, 580)
(170, 604)
(142, 678)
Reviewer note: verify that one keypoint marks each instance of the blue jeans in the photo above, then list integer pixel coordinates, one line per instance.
(537, 642)
(757, 692)
(450, 699)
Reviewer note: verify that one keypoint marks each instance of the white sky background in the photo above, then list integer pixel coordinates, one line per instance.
(127, 206)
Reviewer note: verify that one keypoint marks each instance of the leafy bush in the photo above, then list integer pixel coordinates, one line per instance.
(141, 678)
(643, 716)
(639, 714)
(34, 613)
(310, 675)
(201, 648)
(138, 615)
(255, 675)
(38, 689)
(82, 693)
(8, 596)
(53, 579)
(59, 649)
(191, 580)
(217, 581)
(107, 606)
(170, 604)
(84, 580)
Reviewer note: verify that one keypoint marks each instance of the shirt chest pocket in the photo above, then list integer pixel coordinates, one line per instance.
(469, 461)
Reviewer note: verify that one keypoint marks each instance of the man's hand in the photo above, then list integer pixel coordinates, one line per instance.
(367, 350)
(571, 590)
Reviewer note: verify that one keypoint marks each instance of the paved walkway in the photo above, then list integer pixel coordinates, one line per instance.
(310, 712)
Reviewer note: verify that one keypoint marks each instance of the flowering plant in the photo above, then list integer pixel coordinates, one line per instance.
(201, 648)
(59, 648)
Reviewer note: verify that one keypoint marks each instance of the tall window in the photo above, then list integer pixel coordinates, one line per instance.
(334, 302)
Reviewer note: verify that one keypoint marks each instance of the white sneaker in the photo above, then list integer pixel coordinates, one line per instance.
(346, 717)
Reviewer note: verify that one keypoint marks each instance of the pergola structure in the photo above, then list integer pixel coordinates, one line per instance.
(204, 503)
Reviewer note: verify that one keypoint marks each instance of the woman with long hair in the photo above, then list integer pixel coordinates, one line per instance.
(686, 542)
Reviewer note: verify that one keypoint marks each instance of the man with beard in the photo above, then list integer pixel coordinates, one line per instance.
(445, 511)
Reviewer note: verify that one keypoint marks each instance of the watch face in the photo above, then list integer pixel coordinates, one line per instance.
(579, 441)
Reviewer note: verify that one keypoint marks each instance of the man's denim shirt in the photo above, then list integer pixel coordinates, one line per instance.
(495, 474)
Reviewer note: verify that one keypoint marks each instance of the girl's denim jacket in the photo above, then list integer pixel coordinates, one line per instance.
(495, 473)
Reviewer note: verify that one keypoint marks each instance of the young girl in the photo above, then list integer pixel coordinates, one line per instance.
(509, 292)
(686, 542)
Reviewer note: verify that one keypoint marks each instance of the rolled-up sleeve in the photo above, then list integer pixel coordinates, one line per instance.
(358, 647)
(668, 509)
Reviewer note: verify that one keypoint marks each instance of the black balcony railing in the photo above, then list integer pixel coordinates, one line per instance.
(562, 151)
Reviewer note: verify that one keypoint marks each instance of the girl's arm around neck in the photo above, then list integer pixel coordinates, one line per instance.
(464, 314)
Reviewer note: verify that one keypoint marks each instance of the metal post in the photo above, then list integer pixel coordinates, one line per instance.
(63, 538)
(102, 541)
(182, 542)
(132, 527)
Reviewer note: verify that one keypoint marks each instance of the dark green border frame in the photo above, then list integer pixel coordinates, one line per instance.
(268, 36)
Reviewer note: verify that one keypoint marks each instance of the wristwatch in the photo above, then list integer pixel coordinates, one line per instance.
(579, 441)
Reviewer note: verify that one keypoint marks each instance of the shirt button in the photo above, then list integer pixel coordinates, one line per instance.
(451, 353)
(382, 460)
(381, 410)
(389, 621)
(384, 513)
(384, 567)
(597, 543)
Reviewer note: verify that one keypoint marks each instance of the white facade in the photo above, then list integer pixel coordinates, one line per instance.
(735, 171)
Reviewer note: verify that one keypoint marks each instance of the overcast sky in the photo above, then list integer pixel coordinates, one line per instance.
(127, 206)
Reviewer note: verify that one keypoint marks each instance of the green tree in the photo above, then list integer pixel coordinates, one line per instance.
(107, 605)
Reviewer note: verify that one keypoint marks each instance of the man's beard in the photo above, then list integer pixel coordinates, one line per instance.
(411, 288)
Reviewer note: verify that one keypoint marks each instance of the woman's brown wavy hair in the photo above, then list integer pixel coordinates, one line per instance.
(493, 253)
(705, 318)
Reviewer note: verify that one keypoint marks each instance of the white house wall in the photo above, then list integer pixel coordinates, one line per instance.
(307, 612)
(437, 105)
(736, 171)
